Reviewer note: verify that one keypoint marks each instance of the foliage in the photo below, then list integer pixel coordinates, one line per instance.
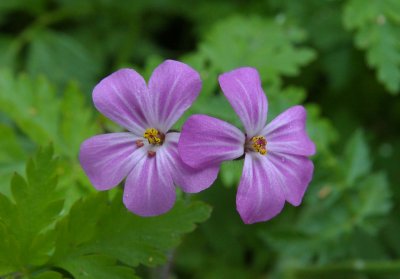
(339, 58)
(97, 238)
(377, 25)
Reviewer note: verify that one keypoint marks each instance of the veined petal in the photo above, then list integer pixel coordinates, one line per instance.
(207, 141)
(259, 197)
(149, 189)
(122, 97)
(287, 133)
(189, 179)
(293, 173)
(173, 88)
(242, 88)
(107, 159)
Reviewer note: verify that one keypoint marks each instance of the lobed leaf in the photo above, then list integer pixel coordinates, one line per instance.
(25, 222)
(97, 226)
(270, 46)
(43, 116)
(377, 27)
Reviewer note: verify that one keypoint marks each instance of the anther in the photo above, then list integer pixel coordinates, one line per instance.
(139, 143)
(154, 136)
(259, 144)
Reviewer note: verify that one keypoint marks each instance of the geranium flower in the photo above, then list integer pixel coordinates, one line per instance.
(147, 154)
(276, 166)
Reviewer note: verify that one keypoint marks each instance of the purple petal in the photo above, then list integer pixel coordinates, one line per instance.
(287, 133)
(173, 87)
(243, 89)
(259, 197)
(107, 159)
(207, 141)
(149, 189)
(190, 180)
(122, 97)
(294, 173)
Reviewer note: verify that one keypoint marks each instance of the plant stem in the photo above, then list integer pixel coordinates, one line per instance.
(166, 269)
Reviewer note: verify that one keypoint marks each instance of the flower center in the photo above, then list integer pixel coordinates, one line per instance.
(258, 144)
(154, 136)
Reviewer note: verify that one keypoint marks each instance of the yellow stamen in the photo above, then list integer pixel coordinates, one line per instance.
(154, 136)
(259, 144)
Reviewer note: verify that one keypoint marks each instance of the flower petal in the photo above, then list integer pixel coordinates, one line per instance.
(149, 189)
(189, 179)
(287, 133)
(242, 88)
(122, 97)
(259, 197)
(173, 88)
(206, 141)
(107, 159)
(294, 172)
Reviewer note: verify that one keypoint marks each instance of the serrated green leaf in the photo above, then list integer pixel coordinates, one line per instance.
(377, 26)
(33, 105)
(12, 157)
(10, 150)
(267, 45)
(115, 234)
(27, 240)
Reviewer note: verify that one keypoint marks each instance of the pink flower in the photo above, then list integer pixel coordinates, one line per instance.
(147, 155)
(276, 165)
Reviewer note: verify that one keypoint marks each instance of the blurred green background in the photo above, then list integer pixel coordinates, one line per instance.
(340, 58)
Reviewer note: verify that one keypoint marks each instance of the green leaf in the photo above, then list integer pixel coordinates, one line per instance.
(377, 26)
(320, 129)
(270, 46)
(25, 224)
(44, 117)
(61, 58)
(356, 162)
(12, 156)
(76, 123)
(97, 267)
(34, 106)
(372, 202)
(10, 148)
(114, 235)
